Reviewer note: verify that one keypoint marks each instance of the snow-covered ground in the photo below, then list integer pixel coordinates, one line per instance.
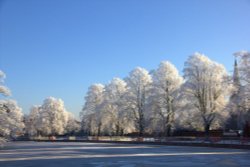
(39, 154)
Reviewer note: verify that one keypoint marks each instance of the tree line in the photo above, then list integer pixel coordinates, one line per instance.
(156, 102)
(162, 101)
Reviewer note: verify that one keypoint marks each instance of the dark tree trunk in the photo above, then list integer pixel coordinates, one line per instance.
(246, 131)
(141, 122)
(141, 130)
(168, 130)
(207, 127)
(122, 132)
(99, 129)
(117, 131)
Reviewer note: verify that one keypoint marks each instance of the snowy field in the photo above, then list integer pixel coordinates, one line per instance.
(42, 154)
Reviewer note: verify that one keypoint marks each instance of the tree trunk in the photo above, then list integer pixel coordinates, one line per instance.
(99, 129)
(122, 132)
(141, 129)
(117, 131)
(207, 127)
(141, 122)
(168, 130)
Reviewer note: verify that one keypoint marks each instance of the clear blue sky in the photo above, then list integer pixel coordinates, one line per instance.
(60, 47)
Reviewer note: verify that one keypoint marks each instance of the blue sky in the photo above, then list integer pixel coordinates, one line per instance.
(60, 47)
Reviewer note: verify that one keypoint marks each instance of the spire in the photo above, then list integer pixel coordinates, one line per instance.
(236, 78)
(235, 63)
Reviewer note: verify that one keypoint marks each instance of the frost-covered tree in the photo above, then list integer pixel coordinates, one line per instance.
(73, 126)
(3, 89)
(234, 108)
(115, 119)
(244, 68)
(33, 122)
(166, 85)
(139, 84)
(11, 119)
(50, 118)
(54, 116)
(90, 115)
(243, 100)
(206, 90)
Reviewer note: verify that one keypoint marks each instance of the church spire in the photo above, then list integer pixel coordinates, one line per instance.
(236, 78)
(234, 121)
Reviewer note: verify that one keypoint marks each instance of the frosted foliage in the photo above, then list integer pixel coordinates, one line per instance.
(51, 118)
(2, 74)
(33, 122)
(139, 84)
(90, 115)
(72, 124)
(138, 78)
(93, 99)
(205, 89)
(48, 119)
(244, 69)
(115, 89)
(166, 84)
(11, 119)
(167, 76)
(3, 89)
(115, 119)
(244, 65)
(54, 116)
